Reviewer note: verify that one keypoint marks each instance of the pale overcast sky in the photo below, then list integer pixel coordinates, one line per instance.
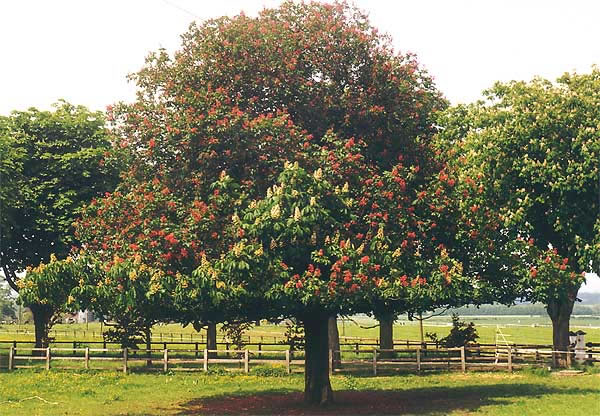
(82, 50)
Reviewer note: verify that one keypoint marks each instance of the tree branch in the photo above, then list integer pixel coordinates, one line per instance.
(11, 277)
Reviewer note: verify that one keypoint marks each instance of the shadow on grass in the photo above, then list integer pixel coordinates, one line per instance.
(421, 401)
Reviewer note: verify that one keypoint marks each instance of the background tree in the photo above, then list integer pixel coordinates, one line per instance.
(526, 161)
(7, 305)
(61, 164)
(46, 290)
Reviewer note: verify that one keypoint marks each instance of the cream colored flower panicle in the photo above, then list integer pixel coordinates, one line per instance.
(204, 261)
(275, 211)
(297, 214)
(269, 193)
(345, 188)
(318, 174)
(313, 201)
(360, 248)
(380, 231)
(238, 248)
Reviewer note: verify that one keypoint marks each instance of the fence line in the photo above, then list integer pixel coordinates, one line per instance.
(419, 358)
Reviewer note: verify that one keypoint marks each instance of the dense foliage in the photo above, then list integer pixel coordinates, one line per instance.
(527, 161)
(56, 163)
(207, 141)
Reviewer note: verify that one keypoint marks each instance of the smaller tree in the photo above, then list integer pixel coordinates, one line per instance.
(52, 163)
(46, 290)
(7, 304)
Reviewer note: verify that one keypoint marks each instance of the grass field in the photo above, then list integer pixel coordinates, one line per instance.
(517, 329)
(89, 393)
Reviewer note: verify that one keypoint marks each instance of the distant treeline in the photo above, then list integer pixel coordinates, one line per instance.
(520, 309)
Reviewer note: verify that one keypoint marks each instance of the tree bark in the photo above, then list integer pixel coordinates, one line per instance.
(317, 388)
(559, 311)
(211, 339)
(334, 341)
(11, 277)
(386, 335)
(42, 316)
(148, 336)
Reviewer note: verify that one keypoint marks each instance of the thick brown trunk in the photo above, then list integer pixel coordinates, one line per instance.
(317, 388)
(148, 336)
(386, 335)
(334, 341)
(42, 315)
(211, 339)
(560, 314)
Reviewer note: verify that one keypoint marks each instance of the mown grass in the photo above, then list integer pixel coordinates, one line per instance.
(107, 393)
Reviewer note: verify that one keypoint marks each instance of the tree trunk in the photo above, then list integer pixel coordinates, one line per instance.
(386, 335)
(317, 388)
(334, 341)
(148, 336)
(211, 339)
(42, 316)
(560, 314)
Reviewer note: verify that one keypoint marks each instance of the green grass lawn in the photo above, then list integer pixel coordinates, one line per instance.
(109, 393)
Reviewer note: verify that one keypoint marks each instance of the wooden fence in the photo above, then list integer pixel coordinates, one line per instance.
(375, 359)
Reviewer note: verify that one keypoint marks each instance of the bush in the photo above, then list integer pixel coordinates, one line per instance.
(461, 334)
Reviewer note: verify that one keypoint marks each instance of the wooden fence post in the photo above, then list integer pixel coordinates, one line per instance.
(48, 358)
(419, 360)
(11, 355)
(125, 360)
(553, 358)
(568, 357)
(246, 361)
(205, 358)
(165, 360)
(510, 366)
(356, 349)
(87, 358)
(374, 361)
(463, 359)
(330, 362)
(196, 348)
(287, 361)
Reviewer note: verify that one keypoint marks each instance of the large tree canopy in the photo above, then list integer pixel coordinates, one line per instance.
(527, 160)
(208, 137)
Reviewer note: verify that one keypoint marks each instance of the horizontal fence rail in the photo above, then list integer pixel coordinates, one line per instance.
(473, 357)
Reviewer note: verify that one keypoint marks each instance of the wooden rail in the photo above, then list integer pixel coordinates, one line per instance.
(419, 359)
